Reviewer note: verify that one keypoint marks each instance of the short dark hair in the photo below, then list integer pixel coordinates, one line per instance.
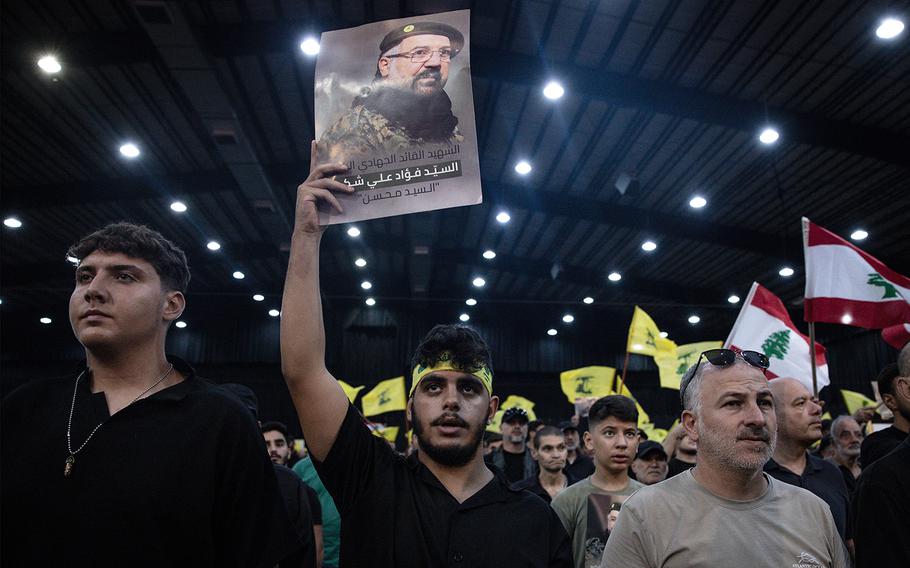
(466, 347)
(139, 241)
(885, 379)
(547, 431)
(535, 425)
(616, 405)
(274, 425)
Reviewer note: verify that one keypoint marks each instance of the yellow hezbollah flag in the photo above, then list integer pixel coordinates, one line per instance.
(497, 420)
(855, 401)
(673, 367)
(387, 396)
(644, 336)
(654, 433)
(390, 433)
(521, 402)
(350, 391)
(587, 382)
(643, 417)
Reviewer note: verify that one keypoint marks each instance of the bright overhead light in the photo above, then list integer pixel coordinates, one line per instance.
(366, 284)
(464, 317)
(51, 65)
(664, 334)
(180, 324)
(353, 232)
(360, 263)
(693, 319)
(213, 245)
(733, 299)
(649, 246)
(130, 150)
(310, 46)
(523, 168)
(239, 275)
(786, 271)
(846, 319)
(489, 255)
(502, 217)
(471, 302)
(46, 320)
(553, 90)
(178, 207)
(637, 347)
(769, 136)
(72, 259)
(588, 300)
(568, 318)
(258, 297)
(889, 28)
(859, 235)
(614, 277)
(274, 313)
(551, 332)
(479, 282)
(370, 302)
(12, 222)
(697, 202)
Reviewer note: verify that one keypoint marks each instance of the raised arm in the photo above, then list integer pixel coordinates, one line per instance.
(320, 401)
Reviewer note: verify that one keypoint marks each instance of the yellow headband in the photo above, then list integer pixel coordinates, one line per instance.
(483, 374)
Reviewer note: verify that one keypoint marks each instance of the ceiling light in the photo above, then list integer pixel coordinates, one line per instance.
(471, 302)
(588, 300)
(464, 317)
(274, 313)
(213, 245)
(523, 168)
(72, 259)
(568, 318)
(733, 299)
(664, 334)
(129, 150)
(553, 90)
(180, 324)
(239, 275)
(310, 46)
(366, 284)
(360, 263)
(859, 235)
(370, 302)
(551, 332)
(889, 28)
(614, 277)
(178, 207)
(12, 222)
(258, 297)
(697, 202)
(846, 319)
(786, 271)
(51, 65)
(769, 136)
(45, 320)
(502, 217)
(479, 282)
(489, 255)
(693, 319)
(353, 232)
(637, 347)
(649, 246)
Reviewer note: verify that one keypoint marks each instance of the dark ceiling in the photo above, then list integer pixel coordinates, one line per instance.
(672, 92)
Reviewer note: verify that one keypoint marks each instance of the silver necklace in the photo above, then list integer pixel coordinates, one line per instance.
(71, 459)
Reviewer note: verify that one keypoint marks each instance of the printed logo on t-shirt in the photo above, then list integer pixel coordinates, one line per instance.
(603, 510)
(806, 560)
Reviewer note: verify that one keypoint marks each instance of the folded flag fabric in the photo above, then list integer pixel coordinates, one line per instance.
(674, 366)
(644, 336)
(897, 335)
(350, 391)
(856, 400)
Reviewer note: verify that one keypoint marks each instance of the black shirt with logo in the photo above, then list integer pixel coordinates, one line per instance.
(395, 513)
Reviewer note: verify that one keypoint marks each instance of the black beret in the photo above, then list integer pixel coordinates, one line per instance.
(397, 35)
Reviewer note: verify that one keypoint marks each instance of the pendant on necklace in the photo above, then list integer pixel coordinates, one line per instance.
(68, 465)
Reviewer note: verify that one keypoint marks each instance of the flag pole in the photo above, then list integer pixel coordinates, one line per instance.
(812, 355)
(622, 377)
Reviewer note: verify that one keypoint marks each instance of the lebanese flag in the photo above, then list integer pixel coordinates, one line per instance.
(764, 325)
(897, 335)
(849, 286)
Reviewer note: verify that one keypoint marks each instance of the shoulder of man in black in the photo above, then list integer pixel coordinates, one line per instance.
(879, 444)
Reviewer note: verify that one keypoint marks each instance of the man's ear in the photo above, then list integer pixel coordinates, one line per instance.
(383, 65)
(690, 424)
(174, 304)
(494, 406)
(589, 441)
(533, 452)
(408, 412)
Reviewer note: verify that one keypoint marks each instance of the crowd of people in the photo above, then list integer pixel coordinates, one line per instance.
(744, 478)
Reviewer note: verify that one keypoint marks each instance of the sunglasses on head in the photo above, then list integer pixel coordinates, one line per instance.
(726, 357)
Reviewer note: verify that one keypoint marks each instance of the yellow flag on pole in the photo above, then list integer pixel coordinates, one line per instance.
(673, 367)
(855, 400)
(587, 382)
(387, 396)
(350, 391)
(644, 336)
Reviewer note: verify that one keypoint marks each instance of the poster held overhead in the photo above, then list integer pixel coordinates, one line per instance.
(394, 103)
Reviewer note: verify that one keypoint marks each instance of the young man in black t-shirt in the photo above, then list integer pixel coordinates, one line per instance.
(879, 444)
(440, 505)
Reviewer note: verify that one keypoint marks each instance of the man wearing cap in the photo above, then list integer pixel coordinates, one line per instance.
(406, 104)
(650, 463)
(578, 465)
(514, 457)
(441, 506)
